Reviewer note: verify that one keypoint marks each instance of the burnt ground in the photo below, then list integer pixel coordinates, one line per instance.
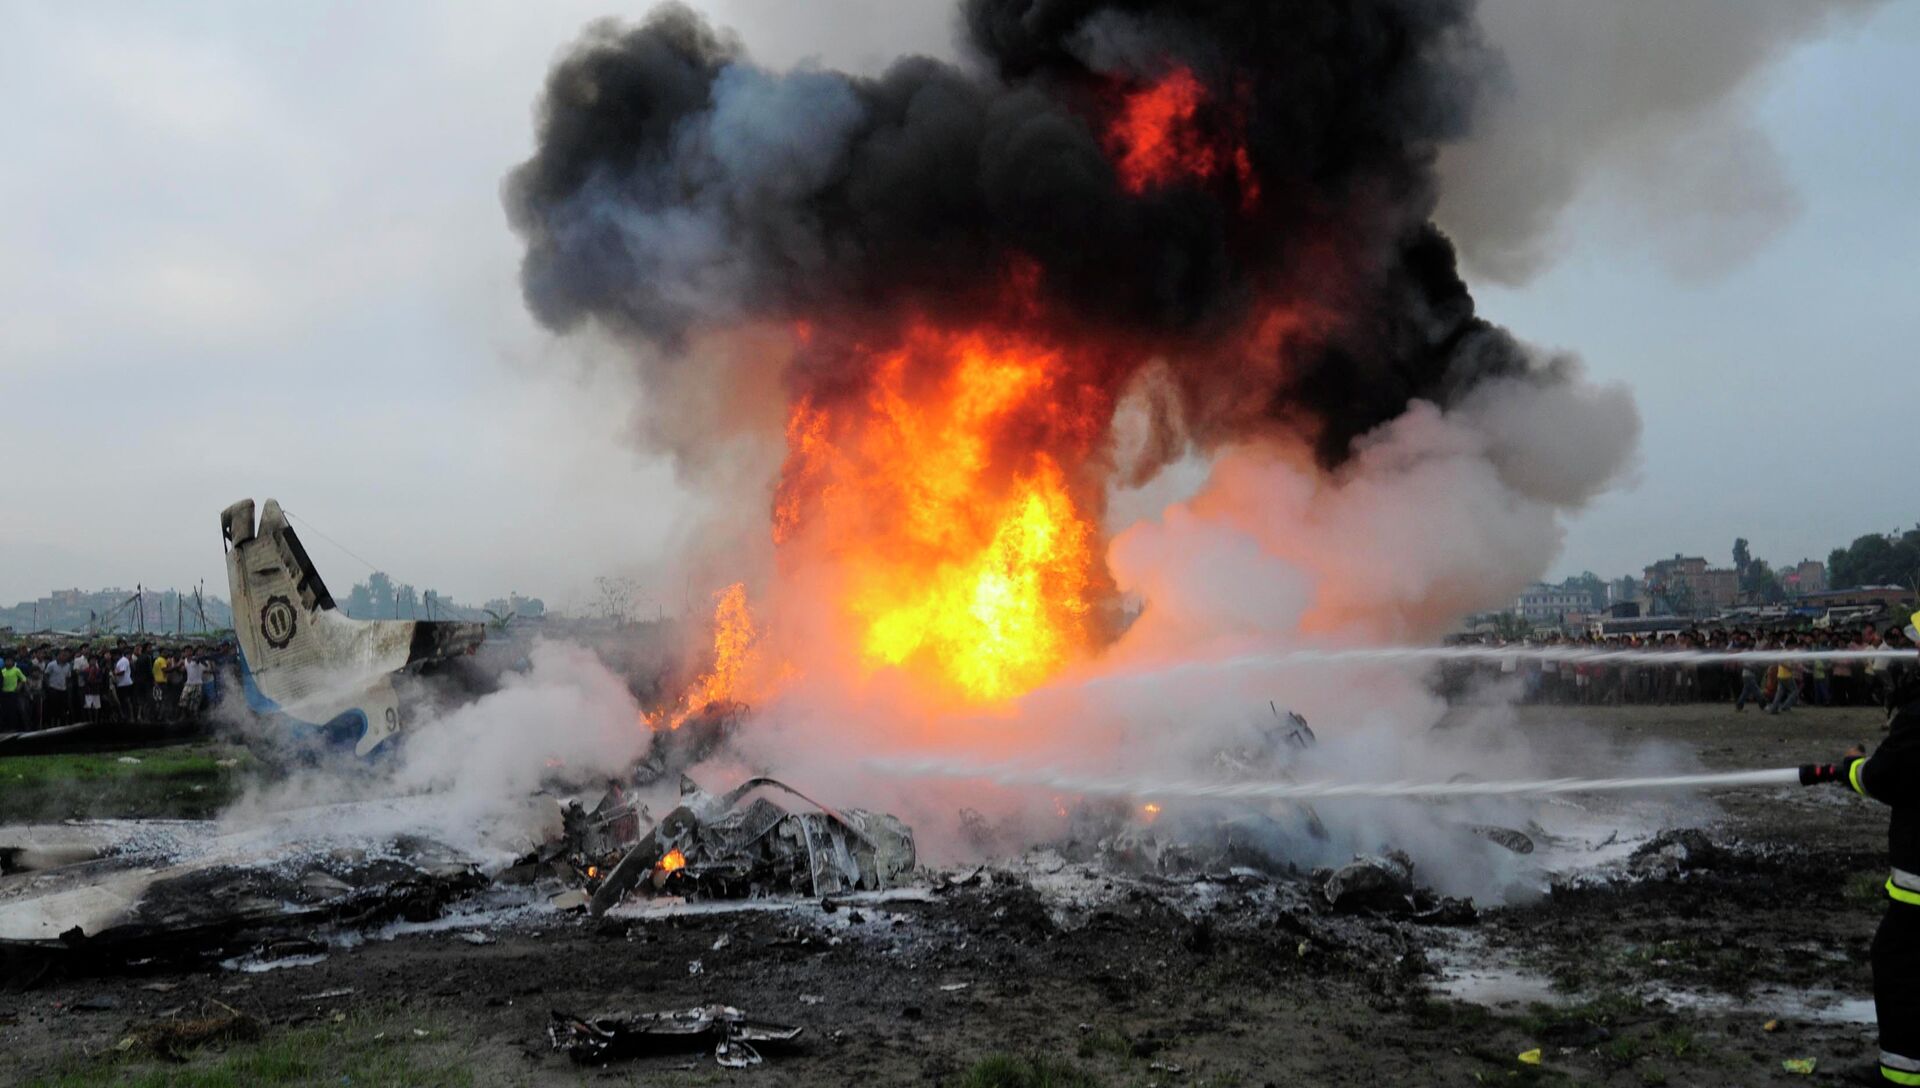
(1713, 971)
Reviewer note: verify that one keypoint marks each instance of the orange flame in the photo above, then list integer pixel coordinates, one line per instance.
(1003, 619)
(1155, 137)
(966, 555)
(1162, 134)
(672, 861)
(734, 639)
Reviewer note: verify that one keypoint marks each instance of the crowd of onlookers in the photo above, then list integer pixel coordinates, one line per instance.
(46, 685)
(1775, 685)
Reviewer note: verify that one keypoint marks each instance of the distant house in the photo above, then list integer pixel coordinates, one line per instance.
(1687, 586)
(1543, 603)
(1623, 591)
(1651, 626)
(1809, 576)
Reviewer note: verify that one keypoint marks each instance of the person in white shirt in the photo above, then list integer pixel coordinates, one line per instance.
(58, 702)
(123, 685)
(190, 694)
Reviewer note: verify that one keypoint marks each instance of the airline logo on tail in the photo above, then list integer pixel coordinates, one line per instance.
(330, 675)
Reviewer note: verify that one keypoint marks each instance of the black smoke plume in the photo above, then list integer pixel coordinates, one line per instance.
(678, 187)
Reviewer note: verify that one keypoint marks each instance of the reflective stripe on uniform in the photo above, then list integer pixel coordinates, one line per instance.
(1853, 777)
(1896, 1076)
(1903, 895)
(1900, 1062)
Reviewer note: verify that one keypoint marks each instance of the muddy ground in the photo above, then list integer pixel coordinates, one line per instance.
(1738, 958)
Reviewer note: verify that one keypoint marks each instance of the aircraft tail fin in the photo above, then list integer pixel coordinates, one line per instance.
(305, 658)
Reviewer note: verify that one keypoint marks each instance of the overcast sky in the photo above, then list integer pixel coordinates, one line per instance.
(257, 250)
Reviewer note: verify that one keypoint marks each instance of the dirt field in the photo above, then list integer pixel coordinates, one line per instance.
(1747, 954)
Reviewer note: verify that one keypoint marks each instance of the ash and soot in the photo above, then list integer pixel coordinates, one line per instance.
(1126, 340)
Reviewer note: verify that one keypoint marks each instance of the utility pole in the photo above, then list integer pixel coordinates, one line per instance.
(140, 606)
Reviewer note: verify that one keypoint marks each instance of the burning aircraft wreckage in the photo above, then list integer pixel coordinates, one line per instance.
(293, 886)
(972, 302)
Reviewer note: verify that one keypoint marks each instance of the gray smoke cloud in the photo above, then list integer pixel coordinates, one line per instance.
(1647, 105)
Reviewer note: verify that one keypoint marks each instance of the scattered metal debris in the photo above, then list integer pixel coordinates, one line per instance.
(1384, 884)
(1506, 838)
(672, 751)
(106, 917)
(571, 899)
(713, 847)
(1671, 853)
(730, 1032)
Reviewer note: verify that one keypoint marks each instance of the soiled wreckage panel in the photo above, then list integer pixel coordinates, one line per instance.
(301, 656)
(724, 849)
(598, 1039)
(120, 913)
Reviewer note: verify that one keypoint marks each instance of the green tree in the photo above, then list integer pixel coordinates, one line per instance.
(1511, 626)
(1742, 556)
(1762, 584)
(380, 595)
(1877, 559)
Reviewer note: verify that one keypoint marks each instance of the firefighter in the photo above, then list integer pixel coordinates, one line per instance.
(1892, 776)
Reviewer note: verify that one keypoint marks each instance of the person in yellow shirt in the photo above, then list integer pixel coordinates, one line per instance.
(13, 694)
(1786, 685)
(160, 686)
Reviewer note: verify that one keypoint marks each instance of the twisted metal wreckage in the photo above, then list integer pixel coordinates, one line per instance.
(122, 895)
(128, 896)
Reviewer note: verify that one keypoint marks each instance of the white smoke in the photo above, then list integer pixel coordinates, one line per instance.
(567, 712)
(1650, 108)
(468, 775)
(1438, 514)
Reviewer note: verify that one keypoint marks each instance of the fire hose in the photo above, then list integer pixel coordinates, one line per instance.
(1150, 788)
(1197, 789)
(1296, 657)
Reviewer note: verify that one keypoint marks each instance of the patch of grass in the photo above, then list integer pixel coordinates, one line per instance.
(1607, 1010)
(1436, 1012)
(1105, 1041)
(186, 781)
(375, 1047)
(1677, 1041)
(1519, 1074)
(1868, 887)
(1623, 1049)
(1024, 1071)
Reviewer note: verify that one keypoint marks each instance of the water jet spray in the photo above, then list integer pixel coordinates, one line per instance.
(1200, 789)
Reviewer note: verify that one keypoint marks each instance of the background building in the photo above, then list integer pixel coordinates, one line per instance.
(1809, 576)
(1687, 586)
(1542, 603)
